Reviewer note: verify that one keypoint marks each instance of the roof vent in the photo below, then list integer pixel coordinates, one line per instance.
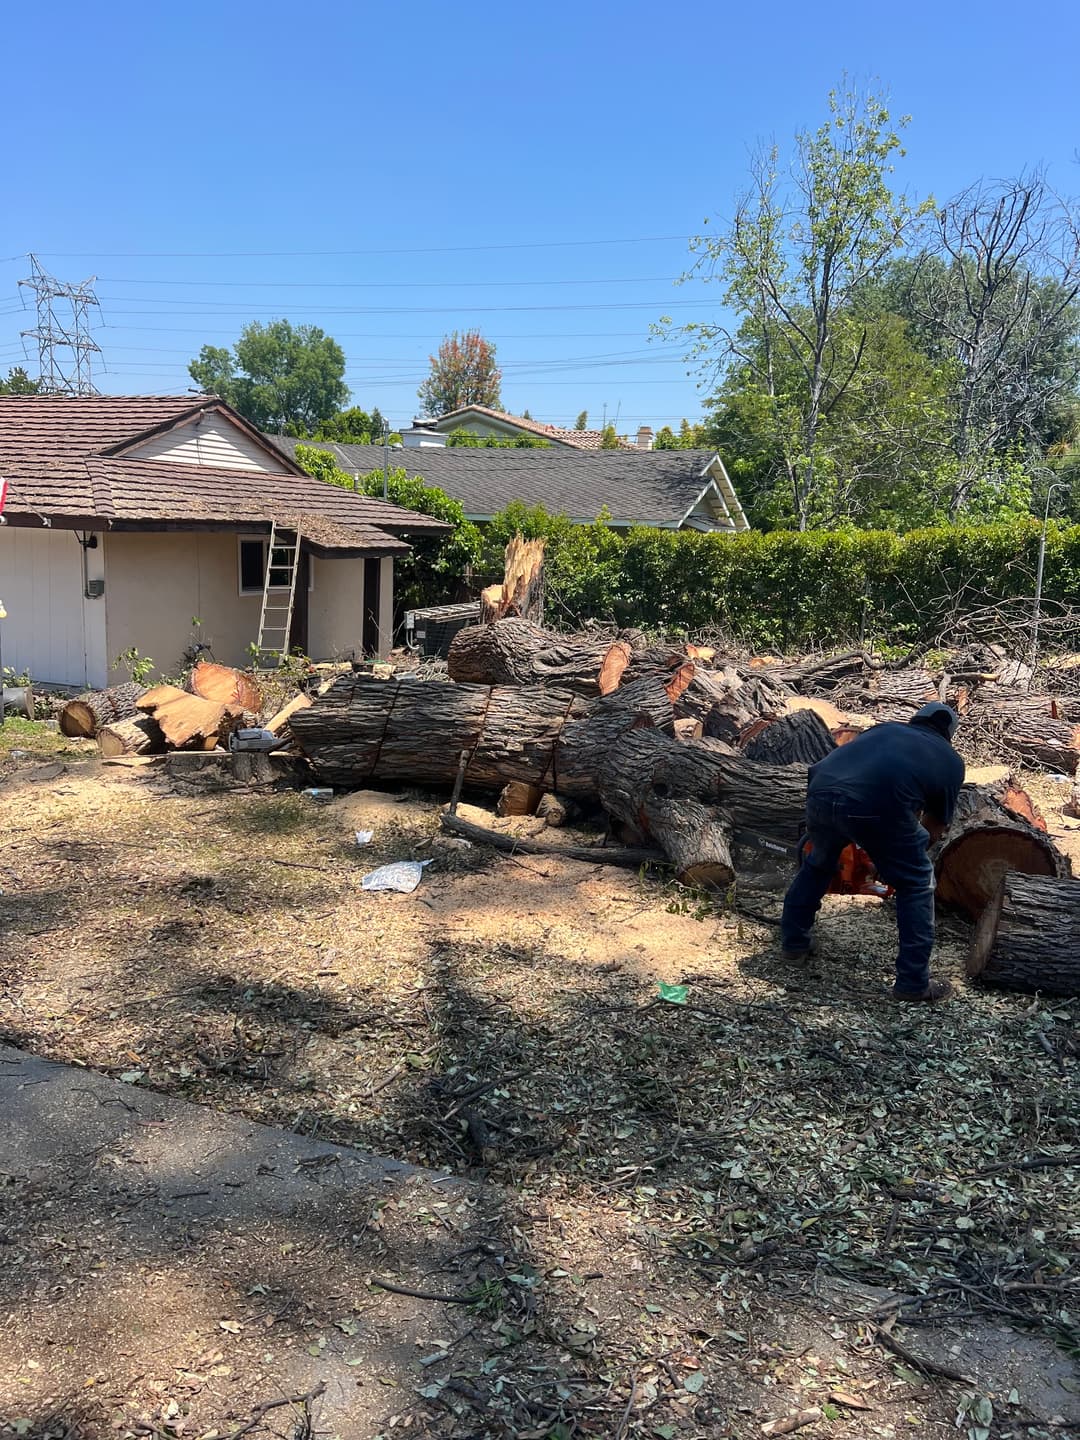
(420, 437)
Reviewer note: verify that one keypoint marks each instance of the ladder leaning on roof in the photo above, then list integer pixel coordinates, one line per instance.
(282, 561)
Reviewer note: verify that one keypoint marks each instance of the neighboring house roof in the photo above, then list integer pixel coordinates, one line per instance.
(665, 489)
(67, 463)
(556, 434)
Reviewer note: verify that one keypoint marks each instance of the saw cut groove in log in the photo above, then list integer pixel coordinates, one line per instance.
(987, 839)
(801, 738)
(1028, 936)
(225, 686)
(137, 735)
(84, 716)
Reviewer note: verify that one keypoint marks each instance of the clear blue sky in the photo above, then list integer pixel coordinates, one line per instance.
(419, 167)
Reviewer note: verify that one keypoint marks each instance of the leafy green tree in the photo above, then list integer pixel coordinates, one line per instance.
(805, 238)
(690, 437)
(435, 567)
(283, 378)
(470, 440)
(463, 372)
(609, 440)
(352, 427)
(18, 382)
(582, 421)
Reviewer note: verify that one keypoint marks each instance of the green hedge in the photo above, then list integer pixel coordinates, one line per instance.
(789, 591)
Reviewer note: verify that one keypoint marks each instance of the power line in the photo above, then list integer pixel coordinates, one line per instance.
(388, 284)
(311, 254)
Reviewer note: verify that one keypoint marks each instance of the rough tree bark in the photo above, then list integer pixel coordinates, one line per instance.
(995, 829)
(137, 735)
(1028, 937)
(85, 716)
(801, 738)
(516, 652)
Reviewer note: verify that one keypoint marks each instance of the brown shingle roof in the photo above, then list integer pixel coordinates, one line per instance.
(579, 439)
(50, 453)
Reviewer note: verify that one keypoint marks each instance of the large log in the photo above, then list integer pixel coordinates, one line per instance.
(188, 719)
(516, 652)
(1032, 729)
(137, 735)
(1028, 936)
(995, 829)
(225, 686)
(85, 716)
(801, 738)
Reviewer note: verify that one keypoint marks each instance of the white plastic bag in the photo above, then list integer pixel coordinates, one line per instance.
(402, 875)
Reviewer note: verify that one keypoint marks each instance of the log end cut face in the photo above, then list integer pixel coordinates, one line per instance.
(986, 928)
(971, 868)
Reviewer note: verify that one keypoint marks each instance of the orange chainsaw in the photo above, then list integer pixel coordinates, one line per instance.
(855, 872)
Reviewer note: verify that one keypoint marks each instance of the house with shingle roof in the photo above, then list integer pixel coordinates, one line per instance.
(146, 521)
(662, 489)
(482, 420)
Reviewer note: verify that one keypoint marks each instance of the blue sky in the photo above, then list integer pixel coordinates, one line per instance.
(392, 172)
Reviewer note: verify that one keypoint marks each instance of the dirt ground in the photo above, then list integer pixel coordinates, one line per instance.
(715, 1207)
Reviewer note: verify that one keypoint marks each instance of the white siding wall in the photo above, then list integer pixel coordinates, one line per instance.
(51, 629)
(211, 440)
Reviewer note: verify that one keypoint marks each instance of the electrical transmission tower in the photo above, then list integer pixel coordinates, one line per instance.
(63, 332)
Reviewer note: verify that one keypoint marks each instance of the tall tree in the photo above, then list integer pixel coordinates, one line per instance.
(352, 427)
(463, 372)
(997, 294)
(804, 240)
(281, 377)
(18, 382)
(582, 421)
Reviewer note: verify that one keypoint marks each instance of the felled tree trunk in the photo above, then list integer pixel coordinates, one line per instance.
(1026, 729)
(85, 716)
(516, 652)
(1028, 937)
(137, 735)
(225, 686)
(188, 719)
(364, 729)
(801, 738)
(522, 590)
(995, 829)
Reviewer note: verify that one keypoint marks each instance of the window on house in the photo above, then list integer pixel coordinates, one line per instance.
(253, 568)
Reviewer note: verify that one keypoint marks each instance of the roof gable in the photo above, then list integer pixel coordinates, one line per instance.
(556, 434)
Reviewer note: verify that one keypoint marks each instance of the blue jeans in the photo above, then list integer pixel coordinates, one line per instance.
(897, 846)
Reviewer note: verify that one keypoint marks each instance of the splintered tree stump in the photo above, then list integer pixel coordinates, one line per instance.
(522, 590)
(137, 735)
(84, 716)
(995, 830)
(1028, 936)
(801, 738)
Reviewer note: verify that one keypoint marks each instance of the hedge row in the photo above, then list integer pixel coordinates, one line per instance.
(790, 591)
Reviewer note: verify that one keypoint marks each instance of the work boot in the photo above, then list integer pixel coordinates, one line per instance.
(800, 955)
(935, 991)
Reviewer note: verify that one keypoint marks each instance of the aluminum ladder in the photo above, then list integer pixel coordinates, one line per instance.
(281, 560)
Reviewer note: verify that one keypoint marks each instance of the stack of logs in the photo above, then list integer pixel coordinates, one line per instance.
(689, 755)
(132, 720)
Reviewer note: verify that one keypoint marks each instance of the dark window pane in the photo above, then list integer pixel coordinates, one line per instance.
(252, 553)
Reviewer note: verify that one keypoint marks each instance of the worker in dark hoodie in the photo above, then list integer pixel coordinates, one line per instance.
(879, 792)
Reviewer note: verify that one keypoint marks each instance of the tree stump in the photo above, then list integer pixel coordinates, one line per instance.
(1028, 936)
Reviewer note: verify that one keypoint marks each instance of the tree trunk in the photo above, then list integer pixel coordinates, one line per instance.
(522, 590)
(137, 735)
(995, 829)
(1038, 730)
(85, 716)
(515, 652)
(801, 738)
(364, 729)
(1028, 937)
(225, 686)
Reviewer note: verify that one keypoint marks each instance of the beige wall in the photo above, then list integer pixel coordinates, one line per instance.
(52, 629)
(156, 583)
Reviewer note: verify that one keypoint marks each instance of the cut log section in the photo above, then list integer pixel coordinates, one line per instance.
(225, 686)
(801, 738)
(516, 652)
(1028, 936)
(87, 714)
(991, 834)
(518, 798)
(137, 735)
(556, 810)
(1028, 732)
(189, 719)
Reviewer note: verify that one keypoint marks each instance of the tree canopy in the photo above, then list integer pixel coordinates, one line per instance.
(463, 372)
(18, 382)
(284, 378)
